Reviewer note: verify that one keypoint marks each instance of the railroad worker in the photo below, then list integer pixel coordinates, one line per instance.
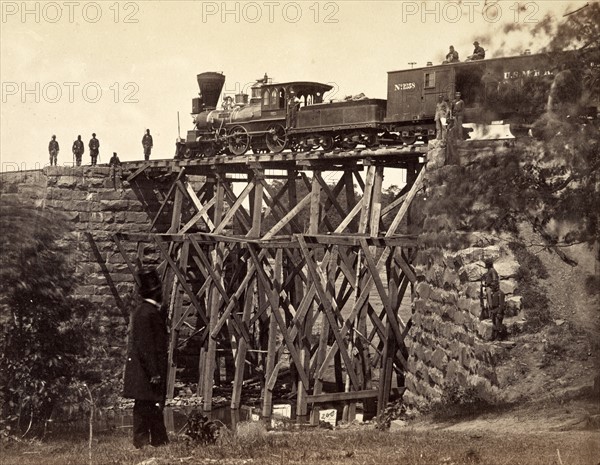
(115, 167)
(478, 52)
(147, 143)
(293, 107)
(78, 149)
(441, 115)
(452, 55)
(114, 160)
(146, 367)
(457, 111)
(53, 149)
(94, 146)
(494, 298)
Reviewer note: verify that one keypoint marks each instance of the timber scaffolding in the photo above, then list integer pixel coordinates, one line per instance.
(296, 298)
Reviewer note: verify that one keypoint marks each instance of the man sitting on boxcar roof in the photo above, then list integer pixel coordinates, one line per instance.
(478, 52)
(452, 56)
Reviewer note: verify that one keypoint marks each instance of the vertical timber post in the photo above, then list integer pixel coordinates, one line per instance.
(214, 299)
(176, 308)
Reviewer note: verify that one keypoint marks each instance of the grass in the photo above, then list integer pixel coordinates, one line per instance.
(255, 445)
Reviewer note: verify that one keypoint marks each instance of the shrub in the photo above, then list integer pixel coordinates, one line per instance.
(50, 342)
(459, 401)
(535, 302)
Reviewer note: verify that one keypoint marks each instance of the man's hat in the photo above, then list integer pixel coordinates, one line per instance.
(149, 281)
(475, 43)
(53, 137)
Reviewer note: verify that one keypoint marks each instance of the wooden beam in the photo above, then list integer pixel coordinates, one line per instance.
(137, 172)
(274, 302)
(234, 208)
(326, 303)
(293, 212)
(416, 187)
(342, 396)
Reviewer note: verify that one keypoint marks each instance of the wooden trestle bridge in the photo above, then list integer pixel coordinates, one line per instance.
(288, 298)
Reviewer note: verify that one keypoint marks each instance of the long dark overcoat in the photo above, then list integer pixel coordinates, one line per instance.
(146, 354)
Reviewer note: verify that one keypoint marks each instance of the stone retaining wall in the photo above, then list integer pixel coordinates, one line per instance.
(447, 343)
(97, 204)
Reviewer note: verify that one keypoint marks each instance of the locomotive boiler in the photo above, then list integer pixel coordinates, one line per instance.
(259, 122)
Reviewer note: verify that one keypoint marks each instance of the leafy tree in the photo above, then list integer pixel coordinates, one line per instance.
(551, 183)
(50, 340)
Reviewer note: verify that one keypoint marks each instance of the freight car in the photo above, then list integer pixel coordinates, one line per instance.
(512, 91)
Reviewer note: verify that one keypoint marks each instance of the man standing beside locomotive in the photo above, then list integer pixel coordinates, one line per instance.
(441, 115)
(94, 146)
(78, 149)
(146, 368)
(147, 143)
(457, 112)
(53, 149)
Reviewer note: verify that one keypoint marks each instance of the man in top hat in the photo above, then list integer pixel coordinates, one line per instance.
(478, 52)
(458, 109)
(147, 143)
(78, 149)
(94, 149)
(53, 149)
(494, 297)
(146, 368)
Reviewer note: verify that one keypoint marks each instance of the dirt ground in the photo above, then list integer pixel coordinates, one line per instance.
(562, 360)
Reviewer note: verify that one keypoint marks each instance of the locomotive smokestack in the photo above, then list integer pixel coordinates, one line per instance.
(210, 85)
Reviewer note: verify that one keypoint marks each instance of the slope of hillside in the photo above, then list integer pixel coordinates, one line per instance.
(560, 361)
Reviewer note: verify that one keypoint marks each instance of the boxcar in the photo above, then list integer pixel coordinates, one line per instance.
(513, 90)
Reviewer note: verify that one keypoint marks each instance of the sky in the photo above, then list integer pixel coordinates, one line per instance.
(117, 68)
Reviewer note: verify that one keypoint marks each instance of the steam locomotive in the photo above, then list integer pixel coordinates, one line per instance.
(295, 115)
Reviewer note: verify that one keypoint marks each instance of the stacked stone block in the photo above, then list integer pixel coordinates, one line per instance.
(98, 204)
(448, 343)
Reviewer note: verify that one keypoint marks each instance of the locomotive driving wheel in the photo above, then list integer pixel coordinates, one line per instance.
(371, 140)
(276, 138)
(239, 140)
(409, 139)
(327, 143)
(209, 150)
